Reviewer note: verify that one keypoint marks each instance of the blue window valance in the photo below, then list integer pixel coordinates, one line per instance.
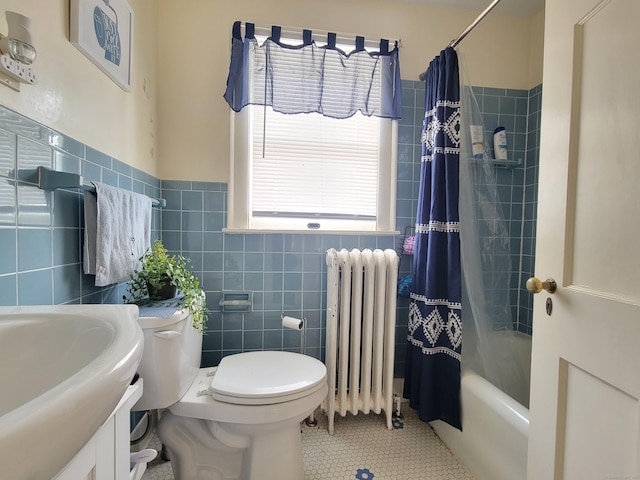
(310, 78)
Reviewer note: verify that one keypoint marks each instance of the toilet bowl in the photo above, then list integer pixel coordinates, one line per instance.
(240, 420)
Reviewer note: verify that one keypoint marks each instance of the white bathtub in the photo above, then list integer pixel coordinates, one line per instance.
(493, 443)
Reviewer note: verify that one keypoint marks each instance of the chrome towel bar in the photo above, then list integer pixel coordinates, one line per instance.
(52, 180)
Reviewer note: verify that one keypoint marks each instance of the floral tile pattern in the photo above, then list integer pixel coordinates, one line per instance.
(397, 424)
(364, 474)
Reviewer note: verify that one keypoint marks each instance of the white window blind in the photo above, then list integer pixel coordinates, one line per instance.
(308, 165)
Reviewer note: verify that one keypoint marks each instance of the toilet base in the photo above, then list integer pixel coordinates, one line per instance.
(271, 453)
(194, 453)
(275, 455)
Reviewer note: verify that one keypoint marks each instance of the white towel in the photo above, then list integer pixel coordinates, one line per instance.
(118, 235)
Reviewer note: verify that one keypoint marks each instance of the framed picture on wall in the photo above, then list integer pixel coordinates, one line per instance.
(103, 31)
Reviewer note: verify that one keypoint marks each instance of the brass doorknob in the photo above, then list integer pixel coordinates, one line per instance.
(535, 285)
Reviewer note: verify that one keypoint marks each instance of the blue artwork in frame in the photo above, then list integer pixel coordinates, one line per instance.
(103, 31)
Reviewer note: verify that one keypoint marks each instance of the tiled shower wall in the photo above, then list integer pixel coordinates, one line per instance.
(519, 112)
(517, 187)
(41, 232)
(529, 212)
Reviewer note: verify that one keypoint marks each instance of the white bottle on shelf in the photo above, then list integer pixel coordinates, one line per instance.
(500, 143)
(477, 142)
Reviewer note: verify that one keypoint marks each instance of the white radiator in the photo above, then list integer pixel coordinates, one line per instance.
(361, 320)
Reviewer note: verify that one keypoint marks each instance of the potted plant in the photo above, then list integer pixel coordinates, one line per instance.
(160, 276)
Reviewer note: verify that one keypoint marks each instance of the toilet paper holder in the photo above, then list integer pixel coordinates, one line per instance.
(236, 302)
(292, 322)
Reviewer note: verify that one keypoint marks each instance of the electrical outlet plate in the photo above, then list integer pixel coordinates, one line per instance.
(16, 70)
(7, 80)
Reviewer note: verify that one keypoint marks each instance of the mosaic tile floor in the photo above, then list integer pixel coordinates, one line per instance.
(363, 449)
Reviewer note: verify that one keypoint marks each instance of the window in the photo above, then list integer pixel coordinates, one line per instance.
(309, 172)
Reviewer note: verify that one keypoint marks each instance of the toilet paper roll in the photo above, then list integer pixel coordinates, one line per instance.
(294, 323)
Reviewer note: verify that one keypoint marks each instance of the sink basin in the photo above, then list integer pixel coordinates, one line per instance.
(63, 369)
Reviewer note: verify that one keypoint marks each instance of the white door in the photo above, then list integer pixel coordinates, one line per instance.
(585, 407)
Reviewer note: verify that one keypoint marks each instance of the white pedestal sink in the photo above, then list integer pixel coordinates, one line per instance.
(63, 369)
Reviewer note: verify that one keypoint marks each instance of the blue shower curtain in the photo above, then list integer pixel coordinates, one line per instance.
(432, 372)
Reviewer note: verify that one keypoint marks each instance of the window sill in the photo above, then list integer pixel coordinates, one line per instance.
(312, 232)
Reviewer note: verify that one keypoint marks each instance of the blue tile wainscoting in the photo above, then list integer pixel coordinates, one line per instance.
(41, 232)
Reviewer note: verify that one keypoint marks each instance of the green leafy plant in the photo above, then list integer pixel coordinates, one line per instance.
(157, 268)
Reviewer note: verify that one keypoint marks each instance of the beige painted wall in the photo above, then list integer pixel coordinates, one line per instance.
(194, 46)
(175, 124)
(74, 97)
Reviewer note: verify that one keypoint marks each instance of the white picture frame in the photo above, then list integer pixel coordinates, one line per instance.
(103, 31)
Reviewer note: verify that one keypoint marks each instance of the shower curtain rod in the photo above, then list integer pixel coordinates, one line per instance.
(466, 31)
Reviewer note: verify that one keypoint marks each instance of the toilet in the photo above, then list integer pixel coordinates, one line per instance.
(237, 421)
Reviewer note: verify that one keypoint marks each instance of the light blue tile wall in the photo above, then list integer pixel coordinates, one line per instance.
(285, 272)
(530, 202)
(41, 232)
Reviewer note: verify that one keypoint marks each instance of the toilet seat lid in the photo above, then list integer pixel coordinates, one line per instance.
(266, 377)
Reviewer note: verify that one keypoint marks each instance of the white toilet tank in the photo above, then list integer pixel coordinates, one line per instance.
(171, 356)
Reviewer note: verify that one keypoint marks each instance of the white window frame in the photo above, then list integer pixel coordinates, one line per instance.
(240, 219)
